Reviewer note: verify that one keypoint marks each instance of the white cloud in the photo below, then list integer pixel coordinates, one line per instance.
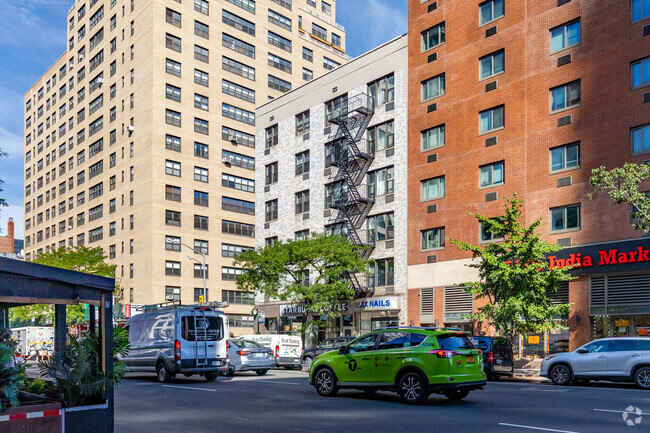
(23, 23)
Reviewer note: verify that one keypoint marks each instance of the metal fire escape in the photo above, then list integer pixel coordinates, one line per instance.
(353, 159)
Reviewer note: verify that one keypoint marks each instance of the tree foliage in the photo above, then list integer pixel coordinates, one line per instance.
(278, 271)
(81, 259)
(622, 185)
(514, 276)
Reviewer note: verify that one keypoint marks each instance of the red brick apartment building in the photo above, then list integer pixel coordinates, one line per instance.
(528, 96)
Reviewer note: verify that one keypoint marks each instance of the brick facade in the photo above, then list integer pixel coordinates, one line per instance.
(7, 242)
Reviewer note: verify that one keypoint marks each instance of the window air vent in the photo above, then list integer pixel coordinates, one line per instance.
(432, 57)
(327, 130)
(432, 208)
(564, 60)
(490, 86)
(305, 176)
(390, 106)
(327, 213)
(267, 188)
(305, 136)
(272, 118)
(491, 196)
(432, 7)
(564, 120)
(564, 181)
(491, 31)
(646, 97)
(267, 225)
(646, 30)
(305, 216)
(267, 151)
(564, 242)
(432, 158)
(390, 152)
(561, 2)
(490, 141)
(432, 259)
(432, 107)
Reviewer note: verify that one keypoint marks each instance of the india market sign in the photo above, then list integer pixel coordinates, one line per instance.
(610, 257)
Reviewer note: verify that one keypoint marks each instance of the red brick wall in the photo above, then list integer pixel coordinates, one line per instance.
(7, 242)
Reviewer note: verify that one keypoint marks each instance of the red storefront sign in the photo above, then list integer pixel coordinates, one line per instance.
(604, 257)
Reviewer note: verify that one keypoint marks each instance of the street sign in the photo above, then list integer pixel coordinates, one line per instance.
(261, 317)
(200, 299)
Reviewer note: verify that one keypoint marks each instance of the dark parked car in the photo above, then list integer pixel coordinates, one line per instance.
(330, 344)
(498, 359)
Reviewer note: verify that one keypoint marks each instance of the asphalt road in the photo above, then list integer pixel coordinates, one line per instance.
(283, 401)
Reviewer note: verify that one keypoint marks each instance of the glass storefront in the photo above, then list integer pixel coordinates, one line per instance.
(621, 326)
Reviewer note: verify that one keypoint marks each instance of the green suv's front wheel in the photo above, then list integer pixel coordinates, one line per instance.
(325, 382)
(412, 388)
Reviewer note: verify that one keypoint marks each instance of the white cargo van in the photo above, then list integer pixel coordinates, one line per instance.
(171, 339)
(286, 348)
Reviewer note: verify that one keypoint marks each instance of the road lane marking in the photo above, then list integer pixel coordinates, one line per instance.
(617, 411)
(190, 387)
(545, 389)
(275, 381)
(535, 428)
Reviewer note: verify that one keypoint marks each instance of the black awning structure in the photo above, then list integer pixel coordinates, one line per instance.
(25, 283)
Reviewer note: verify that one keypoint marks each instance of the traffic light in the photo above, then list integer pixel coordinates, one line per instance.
(200, 299)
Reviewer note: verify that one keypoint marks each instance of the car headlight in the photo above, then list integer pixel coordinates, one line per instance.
(549, 357)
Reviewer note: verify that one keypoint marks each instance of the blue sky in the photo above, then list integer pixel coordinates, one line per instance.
(32, 37)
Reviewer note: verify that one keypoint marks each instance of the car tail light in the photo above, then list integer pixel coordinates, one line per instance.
(490, 357)
(243, 352)
(227, 344)
(177, 350)
(277, 351)
(444, 353)
(270, 352)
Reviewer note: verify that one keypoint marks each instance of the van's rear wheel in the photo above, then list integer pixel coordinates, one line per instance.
(210, 377)
(163, 373)
(261, 372)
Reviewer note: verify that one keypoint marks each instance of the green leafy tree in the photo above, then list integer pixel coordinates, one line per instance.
(514, 276)
(280, 271)
(81, 259)
(623, 185)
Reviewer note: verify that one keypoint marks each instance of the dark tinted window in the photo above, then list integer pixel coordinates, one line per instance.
(453, 342)
(416, 339)
(208, 328)
(394, 340)
(624, 345)
(480, 342)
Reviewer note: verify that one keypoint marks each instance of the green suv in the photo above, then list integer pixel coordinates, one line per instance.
(414, 362)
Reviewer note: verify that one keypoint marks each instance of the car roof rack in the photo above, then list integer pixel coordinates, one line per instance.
(425, 328)
(177, 304)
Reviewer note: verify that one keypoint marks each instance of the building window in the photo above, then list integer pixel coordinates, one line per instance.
(307, 74)
(565, 218)
(382, 273)
(201, 126)
(201, 222)
(172, 218)
(201, 246)
(230, 274)
(173, 93)
(381, 182)
(269, 242)
(239, 206)
(172, 168)
(380, 228)
(383, 89)
(641, 139)
(433, 138)
(640, 10)
(279, 20)
(172, 42)
(335, 108)
(236, 182)
(198, 271)
(238, 114)
(201, 54)
(228, 250)
(492, 64)
(319, 32)
(172, 243)
(237, 297)
(173, 143)
(565, 36)
(302, 202)
(279, 63)
(172, 67)
(238, 160)
(330, 64)
(491, 10)
(202, 6)
(433, 238)
(487, 235)
(201, 174)
(172, 293)
(433, 87)
(325, 7)
(238, 22)
(201, 29)
(565, 96)
(433, 37)
(271, 171)
(433, 188)
(381, 137)
(565, 157)
(271, 210)
(237, 68)
(201, 198)
(237, 228)
(200, 150)
(272, 136)
(199, 292)
(173, 17)
(201, 77)
(302, 163)
(279, 84)
(172, 117)
(491, 120)
(173, 268)
(302, 123)
(491, 175)
(173, 193)
(307, 54)
(237, 91)
(641, 72)
(336, 40)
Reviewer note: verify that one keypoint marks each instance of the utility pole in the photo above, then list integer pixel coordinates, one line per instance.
(205, 297)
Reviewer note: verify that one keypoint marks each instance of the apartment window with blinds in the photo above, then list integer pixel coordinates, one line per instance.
(172, 42)
(380, 227)
(279, 63)
(201, 77)
(433, 238)
(432, 188)
(279, 20)
(278, 41)
(238, 45)
(173, 143)
(279, 84)
(381, 137)
(172, 218)
(433, 138)
(229, 250)
(238, 160)
(237, 228)
(238, 114)
(201, 54)
(433, 37)
(247, 5)
(272, 135)
(239, 206)
(302, 202)
(271, 173)
(201, 30)
(201, 222)
(302, 162)
(238, 91)
(271, 210)
(237, 297)
(238, 22)
(201, 150)
(381, 182)
(236, 182)
(382, 90)
(172, 193)
(202, 6)
(302, 123)
(235, 67)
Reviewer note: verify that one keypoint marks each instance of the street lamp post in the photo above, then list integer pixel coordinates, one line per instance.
(205, 297)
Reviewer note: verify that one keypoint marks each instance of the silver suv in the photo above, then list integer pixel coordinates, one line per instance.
(624, 359)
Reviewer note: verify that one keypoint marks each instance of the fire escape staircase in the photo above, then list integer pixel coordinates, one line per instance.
(353, 159)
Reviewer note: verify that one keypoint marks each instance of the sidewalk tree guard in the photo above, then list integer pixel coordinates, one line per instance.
(24, 283)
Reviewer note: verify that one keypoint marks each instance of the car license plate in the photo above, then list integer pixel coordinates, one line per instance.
(215, 363)
(469, 359)
(259, 355)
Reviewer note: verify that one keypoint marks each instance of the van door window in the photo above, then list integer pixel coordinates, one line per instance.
(214, 331)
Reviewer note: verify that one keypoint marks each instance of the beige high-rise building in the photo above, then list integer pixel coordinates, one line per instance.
(140, 138)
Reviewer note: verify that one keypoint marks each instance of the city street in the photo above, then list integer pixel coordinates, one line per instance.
(283, 401)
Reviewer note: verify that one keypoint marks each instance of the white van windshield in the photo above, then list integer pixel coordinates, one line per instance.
(208, 328)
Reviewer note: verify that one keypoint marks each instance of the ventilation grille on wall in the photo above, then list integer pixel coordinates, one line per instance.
(491, 196)
(561, 296)
(490, 86)
(426, 305)
(432, 259)
(432, 57)
(432, 107)
(432, 208)
(457, 303)
(491, 31)
(564, 60)
(564, 242)
(564, 181)
(564, 120)
(491, 141)
(432, 7)
(432, 158)
(646, 30)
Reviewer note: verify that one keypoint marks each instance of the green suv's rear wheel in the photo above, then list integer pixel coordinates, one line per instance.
(413, 388)
(325, 383)
(457, 394)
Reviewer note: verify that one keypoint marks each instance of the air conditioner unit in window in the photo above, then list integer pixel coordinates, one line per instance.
(81, 57)
(226, 160)
(130, 128)
(233, 140)
(169, 297)
(100, 80)
(71, 65)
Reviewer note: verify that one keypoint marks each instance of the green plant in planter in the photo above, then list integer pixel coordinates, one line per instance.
(76, 375)
(9, 378)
